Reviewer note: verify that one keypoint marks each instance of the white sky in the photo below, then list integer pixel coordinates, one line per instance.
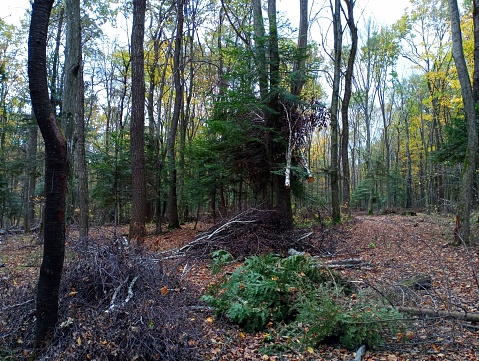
(384, 12)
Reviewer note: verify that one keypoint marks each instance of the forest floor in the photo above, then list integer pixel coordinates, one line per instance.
(387, 252)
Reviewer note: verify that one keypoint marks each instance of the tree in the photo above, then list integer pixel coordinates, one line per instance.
(73, 107)
(469, 166)
(348, 80)
(137, 126)
(55, 176)
(173, 219)
(334, 171)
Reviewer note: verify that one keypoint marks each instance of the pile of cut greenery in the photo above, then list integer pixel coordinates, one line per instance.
(298, 300)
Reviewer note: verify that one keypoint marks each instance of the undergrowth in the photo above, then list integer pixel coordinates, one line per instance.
(306, 302)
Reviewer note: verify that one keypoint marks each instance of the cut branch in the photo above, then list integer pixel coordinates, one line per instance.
(472, 317)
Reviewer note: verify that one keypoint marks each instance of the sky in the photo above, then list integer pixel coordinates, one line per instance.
(384, 12)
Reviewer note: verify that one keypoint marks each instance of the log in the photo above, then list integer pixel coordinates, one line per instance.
(472, 317)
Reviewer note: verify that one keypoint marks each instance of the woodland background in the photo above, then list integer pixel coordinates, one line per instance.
(406, 141)
(225, 113)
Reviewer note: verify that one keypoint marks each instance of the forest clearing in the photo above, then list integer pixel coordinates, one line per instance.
(391, 248)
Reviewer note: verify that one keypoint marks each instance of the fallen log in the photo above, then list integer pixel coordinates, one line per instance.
(349, 263)
(472, 317)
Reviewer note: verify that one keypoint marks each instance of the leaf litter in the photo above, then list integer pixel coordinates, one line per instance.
(396, 249)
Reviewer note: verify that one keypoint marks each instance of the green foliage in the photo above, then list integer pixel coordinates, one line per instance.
(453, 151)
(220, 259)
(308, 302)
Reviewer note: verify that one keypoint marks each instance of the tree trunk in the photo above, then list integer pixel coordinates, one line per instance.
(81, 163)
(282, 195)
(345, 108)
(260, 48)
(32, 176)
(73, 107)
(55, 176)
(173, 219)
(54, 88)
(137, 126)
(299, 67)
(334, 171)
(469, 166)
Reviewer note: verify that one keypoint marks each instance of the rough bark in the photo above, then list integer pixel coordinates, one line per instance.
(299, 67)
(282, 195)
(260, 48)
(469, 166)
(173, 219)
(32, 176)
(55, 176)
(73, 108)
(137, 126)
(348, 79)
(334, 170)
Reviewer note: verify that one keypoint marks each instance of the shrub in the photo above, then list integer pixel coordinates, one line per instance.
(307, 301)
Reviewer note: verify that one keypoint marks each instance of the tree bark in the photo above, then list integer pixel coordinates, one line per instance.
(469, 166)
(282, 195)
(173, 219)
(73, 107)
(348, 79)
(55, 176)
(334, 170)
(32, 175)
(260, 48)
(299, 67)
(137, 126)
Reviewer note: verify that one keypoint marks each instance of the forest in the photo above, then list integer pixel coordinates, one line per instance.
(144, 142)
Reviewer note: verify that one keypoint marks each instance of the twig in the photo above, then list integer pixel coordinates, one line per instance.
(127, 299)
(17, 305)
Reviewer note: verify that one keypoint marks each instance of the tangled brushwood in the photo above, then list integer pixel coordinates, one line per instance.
(116, 303)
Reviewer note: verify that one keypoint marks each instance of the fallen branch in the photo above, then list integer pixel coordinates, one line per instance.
(17, 305)
(348, 263)
(360, 353)
(128, 297)
(472, 317)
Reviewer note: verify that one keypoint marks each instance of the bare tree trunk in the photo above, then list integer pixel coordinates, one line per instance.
(137, 126)
(260, 48)
(32, 175)
(73, 107)
(55, 176)
(54, 88)
(81, 163)
(348, 79)
(469, 167)
(173, 221)
(334, 170)
(299, 67)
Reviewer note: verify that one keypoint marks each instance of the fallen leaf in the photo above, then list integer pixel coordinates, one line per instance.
(164, 290)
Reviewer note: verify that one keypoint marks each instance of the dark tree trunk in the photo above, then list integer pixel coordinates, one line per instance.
(334, 171)
(463, 230)
(282, 194)
(346, 189)
(138, 207)
(32, 176)
(55, 176)
(54, 88)
(73, 108)
(173, 221)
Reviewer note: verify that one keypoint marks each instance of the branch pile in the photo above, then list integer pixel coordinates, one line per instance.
(115, 303)
(251, 232)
